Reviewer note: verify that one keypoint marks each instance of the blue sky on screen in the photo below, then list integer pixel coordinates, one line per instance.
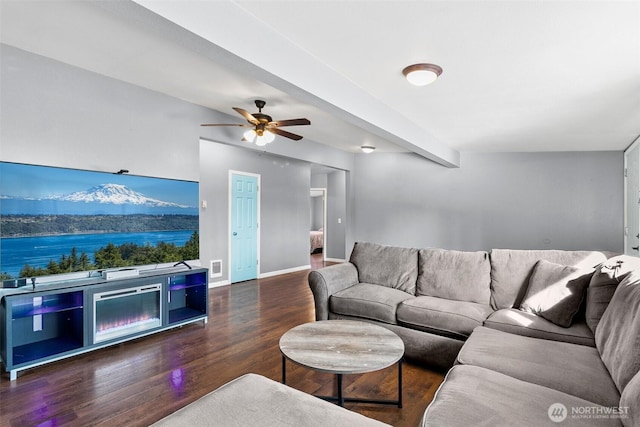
(32, 181)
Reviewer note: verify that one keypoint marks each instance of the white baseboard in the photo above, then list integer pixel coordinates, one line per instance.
(219, 283)
(263, 275)
(335, 260)
(285, 271)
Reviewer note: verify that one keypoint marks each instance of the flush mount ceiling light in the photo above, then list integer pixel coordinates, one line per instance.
(367, 148)
(422, 74)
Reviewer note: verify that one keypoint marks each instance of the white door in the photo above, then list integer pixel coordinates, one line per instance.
(632, 199)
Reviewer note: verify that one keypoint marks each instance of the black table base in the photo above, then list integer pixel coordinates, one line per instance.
(340, 399)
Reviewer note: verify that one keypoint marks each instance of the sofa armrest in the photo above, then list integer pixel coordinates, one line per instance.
(329, 280)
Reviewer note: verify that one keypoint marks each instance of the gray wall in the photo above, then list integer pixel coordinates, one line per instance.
(495, 200)
(317, 217)
(336, 183)
(57, 115)
(337, 220)
(318, 180)
(284, 206)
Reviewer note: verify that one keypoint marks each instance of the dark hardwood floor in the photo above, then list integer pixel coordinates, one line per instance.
(138, 382)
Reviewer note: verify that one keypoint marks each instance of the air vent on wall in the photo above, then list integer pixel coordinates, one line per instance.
(216, 268)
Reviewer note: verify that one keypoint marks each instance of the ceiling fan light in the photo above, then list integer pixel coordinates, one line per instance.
(249, 135)
(261, 141)
(367, 149)
(268, 136)
(422, 74)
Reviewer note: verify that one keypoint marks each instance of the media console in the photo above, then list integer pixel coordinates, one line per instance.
(59, 320)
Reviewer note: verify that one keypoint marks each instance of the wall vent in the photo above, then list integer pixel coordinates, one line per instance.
(215, 270)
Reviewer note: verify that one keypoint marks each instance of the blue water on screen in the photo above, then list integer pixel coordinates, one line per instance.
(38, 251)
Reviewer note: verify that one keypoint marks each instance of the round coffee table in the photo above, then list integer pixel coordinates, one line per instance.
(343, 347)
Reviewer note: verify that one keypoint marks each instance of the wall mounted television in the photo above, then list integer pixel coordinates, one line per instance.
(57, 220)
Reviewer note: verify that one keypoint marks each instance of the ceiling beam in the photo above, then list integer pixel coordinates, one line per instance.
(237, 39)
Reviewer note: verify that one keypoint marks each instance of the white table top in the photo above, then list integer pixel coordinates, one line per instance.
(342, 346)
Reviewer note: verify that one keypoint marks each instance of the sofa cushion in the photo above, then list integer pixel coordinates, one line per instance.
(388, 266)
(511, 269)
(472, 396)
(555, 292)
(519, 322)
(630, 400)
(597, 301)
(570, 368)
(618, 333)
(603, 285)
(455, 319)
(455, 275)
(368, 301)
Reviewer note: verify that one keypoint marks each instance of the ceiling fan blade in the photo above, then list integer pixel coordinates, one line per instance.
(227, 124)
(246, 115)
(291, 122)
(285, 134)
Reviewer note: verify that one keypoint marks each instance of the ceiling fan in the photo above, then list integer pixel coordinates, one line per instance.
(263, 128)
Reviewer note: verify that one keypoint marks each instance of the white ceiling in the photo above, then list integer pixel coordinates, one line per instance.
(518, 75)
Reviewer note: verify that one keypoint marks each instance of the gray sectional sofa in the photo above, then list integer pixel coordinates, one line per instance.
(525, 334)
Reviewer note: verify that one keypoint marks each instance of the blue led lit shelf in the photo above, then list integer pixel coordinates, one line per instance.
(55, 322)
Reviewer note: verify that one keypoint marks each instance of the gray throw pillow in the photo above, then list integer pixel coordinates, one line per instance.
(603, 284)
(556, 292)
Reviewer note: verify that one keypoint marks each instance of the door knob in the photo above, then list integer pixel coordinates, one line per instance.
(235, 234)
(635, 248)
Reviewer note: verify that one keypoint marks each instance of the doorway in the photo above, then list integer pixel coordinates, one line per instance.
(318, 218)
(244, 214)
(334, 182)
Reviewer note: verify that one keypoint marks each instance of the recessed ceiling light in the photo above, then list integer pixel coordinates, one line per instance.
(367, 148)
(422, 74)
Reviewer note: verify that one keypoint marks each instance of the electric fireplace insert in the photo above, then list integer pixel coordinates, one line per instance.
(126, 311)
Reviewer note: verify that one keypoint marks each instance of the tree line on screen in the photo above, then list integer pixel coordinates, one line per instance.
(38, 225)
(114, 256)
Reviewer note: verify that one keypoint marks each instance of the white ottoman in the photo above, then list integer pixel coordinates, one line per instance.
(253, 400)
